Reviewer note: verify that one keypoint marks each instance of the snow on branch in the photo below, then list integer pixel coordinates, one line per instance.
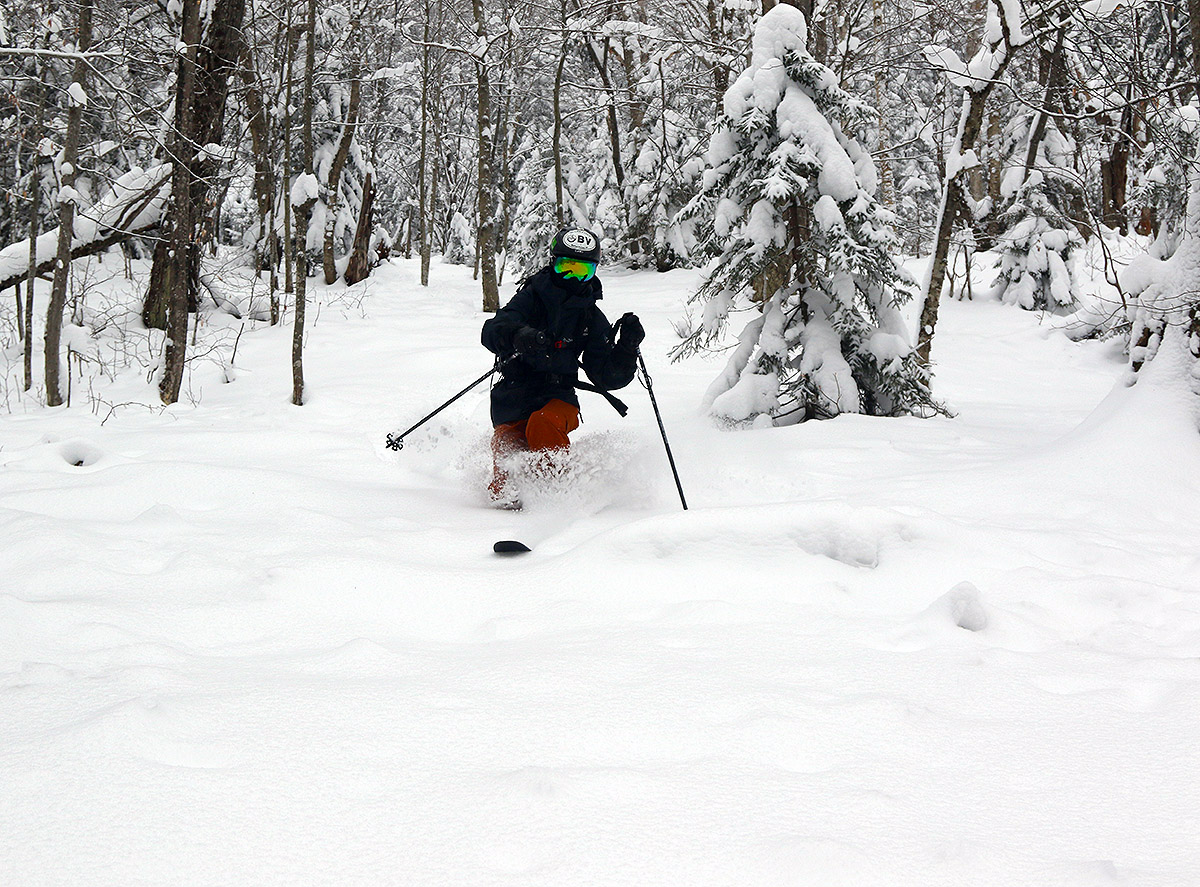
(135, 204)
(26, 52)
(1004, 31)
(946, 60)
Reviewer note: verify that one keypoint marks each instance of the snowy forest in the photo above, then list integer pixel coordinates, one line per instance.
(882, 573)
(227, 153)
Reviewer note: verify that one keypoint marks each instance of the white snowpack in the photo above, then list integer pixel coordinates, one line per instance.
(77, 94)
(827, 215)
(823, 362)
(67, 194)
(1101, 8)
(946, 60)
(243, 643)
(800, 118)
(781, 29)
(304, 189)
(764, 227)
(957, 162)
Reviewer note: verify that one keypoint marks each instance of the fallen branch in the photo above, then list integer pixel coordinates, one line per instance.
(135, 205)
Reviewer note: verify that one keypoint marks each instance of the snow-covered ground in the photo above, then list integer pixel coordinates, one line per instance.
(241, 643)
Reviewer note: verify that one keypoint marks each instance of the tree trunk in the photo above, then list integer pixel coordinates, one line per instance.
(486, 238)
(556, 143)
(114, 231)
(359, 266)
(1194, 25)
(952, 208)
(35, 213)
(1114, 169)
(953, 198)
(432, 172)
(66, 211)
(304, 211)
(434, 177)
(423, 157)
(289, 240)
(333, 186)
(259, 125)
(614, 123)
(205, 67)
(887, 190)
(720, 71)
(173, 256)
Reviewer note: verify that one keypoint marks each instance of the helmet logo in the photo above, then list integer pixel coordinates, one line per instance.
(580, 240)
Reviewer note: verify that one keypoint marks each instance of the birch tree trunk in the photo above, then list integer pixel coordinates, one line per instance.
(887, 190)
(66, 211)
(289, 241)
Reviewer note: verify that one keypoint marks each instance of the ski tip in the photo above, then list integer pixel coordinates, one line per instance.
(510, 546)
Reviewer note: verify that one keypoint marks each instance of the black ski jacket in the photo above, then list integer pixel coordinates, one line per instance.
(565, 310)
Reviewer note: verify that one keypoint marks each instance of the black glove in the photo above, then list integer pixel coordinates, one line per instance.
(629, 332)
(527, 340)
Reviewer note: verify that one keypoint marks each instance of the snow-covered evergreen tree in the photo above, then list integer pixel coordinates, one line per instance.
(1161, 195)
(788, 210)
(534, 220)
(1164, 295)
(664, 174)
(1039, 240)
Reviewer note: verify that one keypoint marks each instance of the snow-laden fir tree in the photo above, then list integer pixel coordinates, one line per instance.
(534, 219)
(1161, 195)
(788, 209)
(665, 172)
(1039, 242)
(1164, 295)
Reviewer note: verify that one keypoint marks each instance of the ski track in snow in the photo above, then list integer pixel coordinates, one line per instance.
(243, 643)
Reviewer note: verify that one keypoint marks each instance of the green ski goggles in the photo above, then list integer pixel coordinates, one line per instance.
(575, 268)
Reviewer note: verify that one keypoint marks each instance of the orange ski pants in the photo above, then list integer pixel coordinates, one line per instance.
(544, 429)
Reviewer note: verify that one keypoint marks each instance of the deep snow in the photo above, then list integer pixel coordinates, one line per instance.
(242, 643)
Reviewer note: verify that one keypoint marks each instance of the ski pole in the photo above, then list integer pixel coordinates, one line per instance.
(396, 442)
(648, 384)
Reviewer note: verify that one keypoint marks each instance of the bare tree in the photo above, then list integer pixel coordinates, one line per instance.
(67, 199)
(303, 200)
(977, 79)
(209, 57)
(486, 186)
(333, 187)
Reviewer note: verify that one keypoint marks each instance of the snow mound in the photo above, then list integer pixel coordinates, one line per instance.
(856, 538)
(963, 606)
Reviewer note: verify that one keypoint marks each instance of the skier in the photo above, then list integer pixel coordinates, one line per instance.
(540, 336)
